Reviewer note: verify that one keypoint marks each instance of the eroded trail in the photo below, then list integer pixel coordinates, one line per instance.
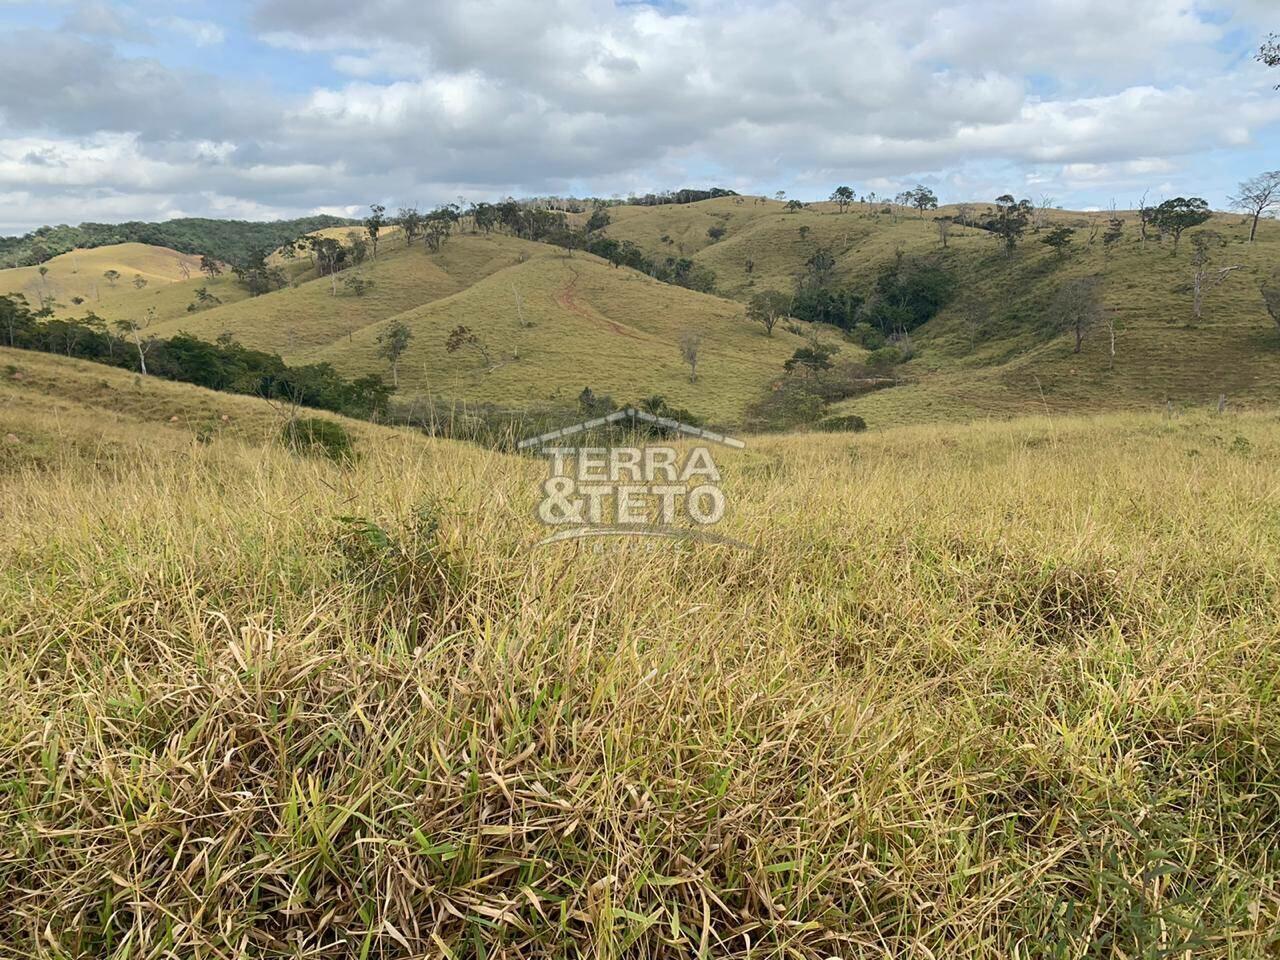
(565, 297)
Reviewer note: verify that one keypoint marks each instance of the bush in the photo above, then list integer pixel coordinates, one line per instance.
(884, 358)
(867, 336)
(314, 437)
(848, 423)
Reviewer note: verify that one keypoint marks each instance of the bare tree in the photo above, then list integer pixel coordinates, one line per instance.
(944, 225)
(1041, 215)
(1110, 319)
(1145, 214)
(134, 331)
(1077, 307)
(462, 337)
(1203, 247)
(1258, 195)
(1271, 296)
(689, 344)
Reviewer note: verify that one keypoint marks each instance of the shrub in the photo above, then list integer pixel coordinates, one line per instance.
(867, 336)
(848, 423)
(884, 358)
(312, 436)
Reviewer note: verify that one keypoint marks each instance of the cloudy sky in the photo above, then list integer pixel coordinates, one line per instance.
(272, 108)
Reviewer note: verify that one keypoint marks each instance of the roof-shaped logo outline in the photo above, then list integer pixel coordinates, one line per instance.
(632, 414)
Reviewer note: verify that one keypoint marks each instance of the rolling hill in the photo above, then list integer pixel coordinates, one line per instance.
(554, 323)
(991, 351)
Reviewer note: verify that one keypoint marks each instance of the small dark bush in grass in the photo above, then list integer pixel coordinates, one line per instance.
(313, 436)
(849, 423)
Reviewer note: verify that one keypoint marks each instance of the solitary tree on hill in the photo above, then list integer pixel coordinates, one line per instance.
(1179, 214)
(1077, 306)
(392, 343)
(1059, 238)
(922, 198)
(842, 197)
(111, 276)
(767, 308)
(209, 266)
(461, 337)
(1204, 244)
(1011, 219)
(690, 343)
(1257, 196)
(374, 223)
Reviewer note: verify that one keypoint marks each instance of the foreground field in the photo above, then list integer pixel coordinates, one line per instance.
(999, 691)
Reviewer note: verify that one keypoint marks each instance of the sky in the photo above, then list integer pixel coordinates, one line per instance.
(265, 109)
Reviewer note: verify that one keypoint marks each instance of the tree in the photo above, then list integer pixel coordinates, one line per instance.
(1114, 234)
(410, 221)
(812, 359)
(1059, 238)
(1179, 214)
(794, 206)
(462, 337)
(209, 266)
(392, 343)
(139, 281)
(1076, 307)
(944, 225)
(133, 330)
(1270, 296)
(1010, 221)
(715, 233)
(357, 285)
(111, 276)
(1269, 54)
(821, 265)
(599, 219)
(842, 197)
(767, 308)
(1204, 244)
(922, 198)
(373, 225)
(1256, 197)
(690, 343)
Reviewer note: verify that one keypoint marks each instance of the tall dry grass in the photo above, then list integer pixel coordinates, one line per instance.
(1004, 691)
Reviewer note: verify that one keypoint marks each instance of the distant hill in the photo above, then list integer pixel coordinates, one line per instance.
(231, 241)
(555, 322)
(993, 350)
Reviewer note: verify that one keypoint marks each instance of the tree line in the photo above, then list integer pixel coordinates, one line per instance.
(224, 365)
(231, 241)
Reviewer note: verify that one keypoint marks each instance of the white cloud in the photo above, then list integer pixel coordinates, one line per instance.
(426, 99)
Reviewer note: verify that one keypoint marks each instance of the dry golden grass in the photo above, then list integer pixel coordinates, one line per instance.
(79, 273)
(997, 691)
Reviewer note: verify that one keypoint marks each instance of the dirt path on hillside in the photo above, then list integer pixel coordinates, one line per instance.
(566, 299)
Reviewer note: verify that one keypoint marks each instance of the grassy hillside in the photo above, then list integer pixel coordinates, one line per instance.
(80, 274)
(256, 705)
(301, 320)
(56, 410)
(992, 352)
(585, 324)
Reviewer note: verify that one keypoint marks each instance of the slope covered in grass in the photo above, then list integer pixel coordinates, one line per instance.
(585, 324)
(303, 319)
(167, 292)
(994, 351)
(263, 706)
(56, 409)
